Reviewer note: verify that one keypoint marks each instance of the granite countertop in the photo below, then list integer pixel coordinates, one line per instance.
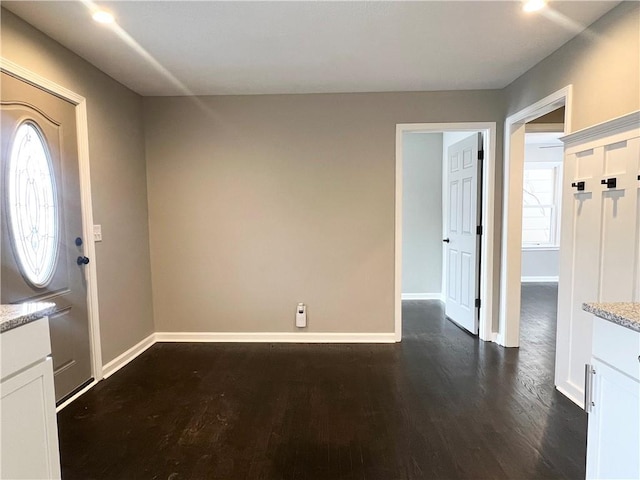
(625, 314)
(13, 316)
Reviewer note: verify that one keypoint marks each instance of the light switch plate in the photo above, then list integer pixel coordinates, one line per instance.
(97, 233)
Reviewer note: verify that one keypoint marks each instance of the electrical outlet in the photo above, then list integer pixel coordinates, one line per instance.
(97, 233)
(301, 315)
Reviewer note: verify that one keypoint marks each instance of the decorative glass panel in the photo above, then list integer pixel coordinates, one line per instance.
(32, 207)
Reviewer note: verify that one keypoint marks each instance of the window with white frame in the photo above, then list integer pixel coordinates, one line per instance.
(541, 205)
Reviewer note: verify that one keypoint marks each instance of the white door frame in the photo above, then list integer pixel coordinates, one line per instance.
(80, 103)
(511, 259)
(488, 129)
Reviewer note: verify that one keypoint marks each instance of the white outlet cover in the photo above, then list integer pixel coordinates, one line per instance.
(97, 233)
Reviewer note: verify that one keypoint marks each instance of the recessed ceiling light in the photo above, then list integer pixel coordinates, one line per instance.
(102, 16)
(534, 5)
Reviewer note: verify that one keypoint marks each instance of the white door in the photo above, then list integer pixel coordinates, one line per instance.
(462, 257)
(41, 247)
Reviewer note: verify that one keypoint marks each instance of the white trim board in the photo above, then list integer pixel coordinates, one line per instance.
(275, 337)
(594, 133)
(539, 279)
(76, 395)
(82, 127)
(488, 130)
(113, 366)
(511, 259)
(423, 296)
(121, 360)
(572, 392)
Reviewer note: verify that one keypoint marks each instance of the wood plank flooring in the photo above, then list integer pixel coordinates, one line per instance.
(439, 405)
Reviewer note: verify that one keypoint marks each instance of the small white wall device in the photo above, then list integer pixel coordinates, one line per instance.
(301, 315)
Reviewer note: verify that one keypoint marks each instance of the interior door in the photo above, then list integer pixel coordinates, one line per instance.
(462, 257)
(41, 220)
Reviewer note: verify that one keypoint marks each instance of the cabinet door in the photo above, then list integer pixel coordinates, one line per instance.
(613, 439)
(29, 438)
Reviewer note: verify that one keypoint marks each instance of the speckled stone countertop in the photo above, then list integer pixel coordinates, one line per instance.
(625, 314)
(13, 316)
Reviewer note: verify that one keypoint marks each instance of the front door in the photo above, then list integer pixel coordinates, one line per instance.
(462, 259)
(41, 219)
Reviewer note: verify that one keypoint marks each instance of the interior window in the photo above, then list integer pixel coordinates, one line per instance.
(540, 205)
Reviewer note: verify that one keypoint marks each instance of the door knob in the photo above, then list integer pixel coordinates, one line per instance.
(578, 185)
(82, 260)
(78, 242)
(446, 240)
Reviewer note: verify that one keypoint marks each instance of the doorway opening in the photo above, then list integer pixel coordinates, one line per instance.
(533, 166)
(433, 188)
(541, 217)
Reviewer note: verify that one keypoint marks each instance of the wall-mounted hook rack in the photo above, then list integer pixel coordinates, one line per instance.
(609, 182)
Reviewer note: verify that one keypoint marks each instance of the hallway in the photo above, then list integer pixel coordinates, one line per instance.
(439, 405)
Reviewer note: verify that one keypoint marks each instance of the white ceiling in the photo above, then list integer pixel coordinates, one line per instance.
(310, 47)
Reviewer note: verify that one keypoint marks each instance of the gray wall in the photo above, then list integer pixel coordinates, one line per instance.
(540, 263)
(602, 63)
(118, 181)
(266, 201)
(422, 213)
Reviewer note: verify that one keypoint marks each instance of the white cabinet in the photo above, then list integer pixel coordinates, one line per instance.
(29, 433)
(613, 439)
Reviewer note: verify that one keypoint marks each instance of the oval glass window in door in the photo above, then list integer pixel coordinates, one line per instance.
(32, 206)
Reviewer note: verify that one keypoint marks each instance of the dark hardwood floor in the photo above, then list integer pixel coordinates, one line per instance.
(439, 405)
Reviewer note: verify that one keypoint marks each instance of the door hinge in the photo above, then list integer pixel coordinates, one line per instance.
(479, 230)
(480, 154)
(477, 303)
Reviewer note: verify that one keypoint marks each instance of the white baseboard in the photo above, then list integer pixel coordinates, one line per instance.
(422, 296)
(275, 337)
(120, 361)
(500, 340)
(76, 395)
(227, 337)
(572, 392)
(539, 279)
(494, 337)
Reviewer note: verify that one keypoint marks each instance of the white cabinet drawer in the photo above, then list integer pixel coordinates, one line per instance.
(617, 346)
(24, 346)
